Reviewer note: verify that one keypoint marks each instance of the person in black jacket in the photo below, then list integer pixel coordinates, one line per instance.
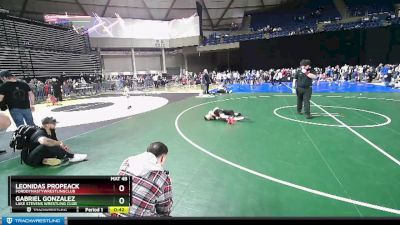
(57, 83)
(303, 84)
(206, 82)
(371, 74)
(19, 98)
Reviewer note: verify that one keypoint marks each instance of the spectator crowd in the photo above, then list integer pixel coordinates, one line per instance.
(388, 75)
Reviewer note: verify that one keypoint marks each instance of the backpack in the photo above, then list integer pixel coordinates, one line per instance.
(3, 106)
(21, 137)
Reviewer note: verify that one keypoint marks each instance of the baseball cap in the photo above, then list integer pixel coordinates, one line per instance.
(6, 73)
(49, 120)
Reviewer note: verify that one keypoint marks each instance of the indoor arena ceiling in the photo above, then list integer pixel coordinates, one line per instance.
(217, 14)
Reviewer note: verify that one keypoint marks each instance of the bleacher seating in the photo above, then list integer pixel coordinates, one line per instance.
(396, 20)
(34, 49)
(46, 63)
(214, 40)
(354, 25)
(363, 8)
(285, 18)
(20, 33)
(307, 20)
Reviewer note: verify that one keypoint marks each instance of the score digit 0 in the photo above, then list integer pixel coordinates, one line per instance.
(121, 201)
(121, 188)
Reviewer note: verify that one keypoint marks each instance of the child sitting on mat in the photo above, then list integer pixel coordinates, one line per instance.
(52, 100)
(223, 89)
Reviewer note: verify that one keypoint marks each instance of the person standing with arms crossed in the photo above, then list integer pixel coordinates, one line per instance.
(302, 82)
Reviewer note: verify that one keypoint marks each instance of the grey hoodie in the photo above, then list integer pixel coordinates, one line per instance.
(140, 165)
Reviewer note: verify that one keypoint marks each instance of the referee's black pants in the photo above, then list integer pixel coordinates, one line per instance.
(303, 97)
(205, 88)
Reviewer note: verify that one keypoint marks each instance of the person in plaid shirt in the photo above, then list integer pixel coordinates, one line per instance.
(151, 185)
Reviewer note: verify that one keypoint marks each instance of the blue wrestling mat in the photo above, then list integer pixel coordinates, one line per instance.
(321, 87)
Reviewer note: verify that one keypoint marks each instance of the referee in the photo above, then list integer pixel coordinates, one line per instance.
(303, 83)
(206, 82)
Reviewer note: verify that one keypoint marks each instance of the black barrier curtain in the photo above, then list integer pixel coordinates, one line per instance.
(394, 49)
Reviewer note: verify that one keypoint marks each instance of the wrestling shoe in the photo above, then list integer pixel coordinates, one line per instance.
(78, 158)
(238, 118)
(51, 162)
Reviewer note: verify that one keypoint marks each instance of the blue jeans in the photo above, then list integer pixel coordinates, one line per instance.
(19, 115)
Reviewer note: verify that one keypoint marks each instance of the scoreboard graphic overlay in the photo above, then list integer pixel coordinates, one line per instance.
(75, 194)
